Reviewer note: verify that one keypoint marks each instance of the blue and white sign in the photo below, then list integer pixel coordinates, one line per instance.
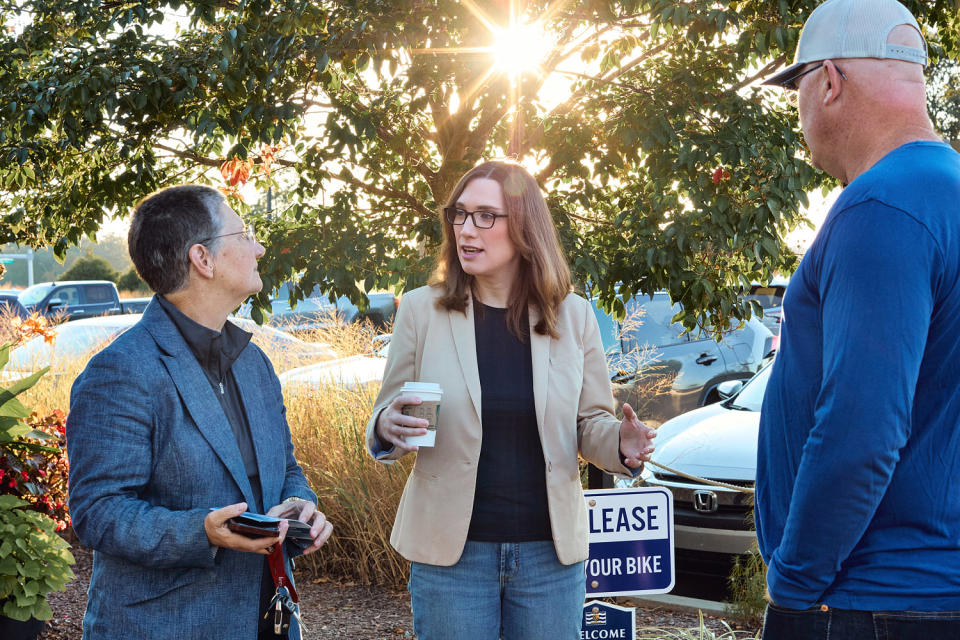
(631, 541)
(605, 621)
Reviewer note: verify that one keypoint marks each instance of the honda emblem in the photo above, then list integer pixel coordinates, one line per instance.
(705, 501)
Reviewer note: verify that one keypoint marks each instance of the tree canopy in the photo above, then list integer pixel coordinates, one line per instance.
(665, 166)
(943, 99)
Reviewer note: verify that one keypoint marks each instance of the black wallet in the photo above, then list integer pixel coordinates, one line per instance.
(255, 525)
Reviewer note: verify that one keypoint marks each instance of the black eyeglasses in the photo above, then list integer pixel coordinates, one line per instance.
(481, 219)
(249, 233)
(791, 82)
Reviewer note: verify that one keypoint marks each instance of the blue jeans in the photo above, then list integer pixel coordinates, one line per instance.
(514, 591)
(823, 623)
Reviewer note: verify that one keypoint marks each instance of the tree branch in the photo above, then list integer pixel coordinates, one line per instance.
(216, 162)
(601, 223)
(388, 193)
(189, 155)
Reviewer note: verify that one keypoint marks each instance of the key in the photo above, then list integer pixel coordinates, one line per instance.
(278, 615)
(280, 602)
(274, 601)
(296, 614)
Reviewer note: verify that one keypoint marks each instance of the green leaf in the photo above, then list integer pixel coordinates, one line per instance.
(25, 383)
(10, 407)
(12, 611)
(769, 245)
(31, 569)
(11, 502)
(42, 610)
(8, 566)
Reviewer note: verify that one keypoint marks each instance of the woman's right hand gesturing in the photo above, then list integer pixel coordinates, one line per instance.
(393, 426)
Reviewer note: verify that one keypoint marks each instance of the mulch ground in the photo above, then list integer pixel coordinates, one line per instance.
(335, 610)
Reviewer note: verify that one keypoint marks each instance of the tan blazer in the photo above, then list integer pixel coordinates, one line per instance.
(574, 406)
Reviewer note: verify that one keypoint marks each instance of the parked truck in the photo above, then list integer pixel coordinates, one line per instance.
(75, 299)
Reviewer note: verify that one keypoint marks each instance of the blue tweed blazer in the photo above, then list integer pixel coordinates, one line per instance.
(151, 452)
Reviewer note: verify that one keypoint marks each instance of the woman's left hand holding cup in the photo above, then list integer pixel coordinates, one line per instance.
(393, 426)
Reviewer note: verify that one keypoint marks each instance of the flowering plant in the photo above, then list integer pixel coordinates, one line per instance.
(37, 473)
(33, 560)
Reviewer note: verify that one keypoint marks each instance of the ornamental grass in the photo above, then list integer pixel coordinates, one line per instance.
(358, 495)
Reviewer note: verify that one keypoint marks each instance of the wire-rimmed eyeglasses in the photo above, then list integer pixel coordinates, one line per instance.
(249, 233)
(481, 218)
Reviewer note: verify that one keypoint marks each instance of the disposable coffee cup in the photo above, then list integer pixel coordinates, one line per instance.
(428, 409)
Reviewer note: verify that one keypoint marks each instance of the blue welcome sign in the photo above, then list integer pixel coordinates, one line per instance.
(605, 621)
(631, 541)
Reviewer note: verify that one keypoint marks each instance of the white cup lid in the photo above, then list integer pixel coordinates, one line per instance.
(422, 387)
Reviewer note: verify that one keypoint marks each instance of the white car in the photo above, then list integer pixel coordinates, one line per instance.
(346, 372)
(80, 338)
(717, 442)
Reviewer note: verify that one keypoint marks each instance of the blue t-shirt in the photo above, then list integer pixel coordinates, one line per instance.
(858, 463)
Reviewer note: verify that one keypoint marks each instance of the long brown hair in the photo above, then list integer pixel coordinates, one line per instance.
(543, 279)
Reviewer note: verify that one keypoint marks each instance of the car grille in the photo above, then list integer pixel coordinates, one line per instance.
(721, 508)
(680, 479)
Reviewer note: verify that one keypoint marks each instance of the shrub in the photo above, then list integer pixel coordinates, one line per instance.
(39, 477)
(130, 281)
(33, 559)
(748, 586)
(90, 267)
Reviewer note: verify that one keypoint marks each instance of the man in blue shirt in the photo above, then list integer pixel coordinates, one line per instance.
(858, 469)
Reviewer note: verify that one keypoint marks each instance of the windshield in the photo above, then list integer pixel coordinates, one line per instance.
(750, 397)
(34, 294)
(767, 296)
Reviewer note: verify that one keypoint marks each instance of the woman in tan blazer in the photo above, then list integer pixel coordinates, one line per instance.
(492, 517)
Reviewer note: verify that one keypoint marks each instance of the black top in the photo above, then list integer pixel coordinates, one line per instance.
(510, 503)
(216, 352)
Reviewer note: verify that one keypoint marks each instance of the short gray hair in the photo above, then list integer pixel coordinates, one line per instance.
(165, 225)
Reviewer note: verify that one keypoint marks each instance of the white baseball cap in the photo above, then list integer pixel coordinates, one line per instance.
(852, 29)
